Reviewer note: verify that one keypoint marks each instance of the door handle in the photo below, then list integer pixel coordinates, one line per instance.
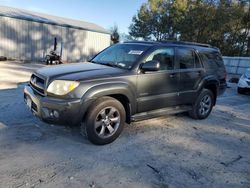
(198, 73)
(172, 75)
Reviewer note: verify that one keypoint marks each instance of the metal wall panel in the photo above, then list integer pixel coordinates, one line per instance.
(27, 40)
(236, 65)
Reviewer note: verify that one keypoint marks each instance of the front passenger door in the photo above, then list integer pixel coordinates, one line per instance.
(158, 89)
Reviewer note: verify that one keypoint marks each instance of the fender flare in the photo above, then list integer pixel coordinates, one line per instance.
(112, 88)
(209, 80)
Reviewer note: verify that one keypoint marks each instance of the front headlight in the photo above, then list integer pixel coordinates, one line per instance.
(62, 87)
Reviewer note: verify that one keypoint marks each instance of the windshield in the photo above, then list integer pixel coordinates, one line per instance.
(120, 55)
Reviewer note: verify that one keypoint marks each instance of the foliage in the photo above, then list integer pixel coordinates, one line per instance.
(124, 37)
(221, 23)
(115, 36)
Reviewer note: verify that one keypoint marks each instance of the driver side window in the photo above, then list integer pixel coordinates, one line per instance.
(164, 56)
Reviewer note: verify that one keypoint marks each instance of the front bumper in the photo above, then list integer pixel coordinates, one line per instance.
(54, 110)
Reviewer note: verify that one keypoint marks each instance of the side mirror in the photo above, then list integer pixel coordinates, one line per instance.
(151, 66)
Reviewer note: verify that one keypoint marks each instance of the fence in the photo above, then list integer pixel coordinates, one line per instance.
(236, 65)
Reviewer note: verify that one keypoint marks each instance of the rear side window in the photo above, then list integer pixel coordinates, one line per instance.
(213, 59)
(187, 58)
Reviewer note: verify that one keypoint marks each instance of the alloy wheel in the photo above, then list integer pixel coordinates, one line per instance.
(107, 122)
(205, 105)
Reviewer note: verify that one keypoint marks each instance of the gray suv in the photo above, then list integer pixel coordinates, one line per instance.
(128, 82)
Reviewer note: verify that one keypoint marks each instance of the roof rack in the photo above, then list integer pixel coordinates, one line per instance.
(186, 43)
(171, 42)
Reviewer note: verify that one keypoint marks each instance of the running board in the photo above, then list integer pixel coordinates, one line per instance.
(160, 112)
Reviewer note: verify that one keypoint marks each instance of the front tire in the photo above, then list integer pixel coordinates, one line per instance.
(104, 121)
(203, 105)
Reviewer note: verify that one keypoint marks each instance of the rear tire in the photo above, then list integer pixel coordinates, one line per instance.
(203, 105)
(241, 90)
(104, 121)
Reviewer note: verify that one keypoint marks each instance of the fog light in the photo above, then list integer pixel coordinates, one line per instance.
(56, 114)
(48, 113)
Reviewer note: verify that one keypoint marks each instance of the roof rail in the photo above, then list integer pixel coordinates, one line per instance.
(186, 43)
(141, 42)
(171, 42)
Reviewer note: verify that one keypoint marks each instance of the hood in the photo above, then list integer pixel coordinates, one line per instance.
(79, 71)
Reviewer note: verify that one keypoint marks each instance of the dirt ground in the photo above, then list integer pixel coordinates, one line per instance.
(173, 151)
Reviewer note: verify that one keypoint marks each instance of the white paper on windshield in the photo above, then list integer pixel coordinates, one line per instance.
(122, 64)
(135, 52)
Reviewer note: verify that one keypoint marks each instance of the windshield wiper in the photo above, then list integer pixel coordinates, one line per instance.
(112, 65)
(108, 64)
(94, 62)
(101, 63)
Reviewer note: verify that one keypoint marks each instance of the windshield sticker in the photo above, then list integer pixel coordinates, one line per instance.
(122, 64)
(135, 52)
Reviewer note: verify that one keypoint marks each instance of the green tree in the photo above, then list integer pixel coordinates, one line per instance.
(158, 20)
(151, 21)
(221, 23)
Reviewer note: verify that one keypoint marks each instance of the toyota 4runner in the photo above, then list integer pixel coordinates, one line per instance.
(128, 82)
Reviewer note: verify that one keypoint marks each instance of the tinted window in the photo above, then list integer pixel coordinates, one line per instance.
(121, 55)
(214, 59)
(186, 58)
(197, 61)
(165, 57)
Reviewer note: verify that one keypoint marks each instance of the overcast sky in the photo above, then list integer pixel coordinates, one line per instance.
(105, 13)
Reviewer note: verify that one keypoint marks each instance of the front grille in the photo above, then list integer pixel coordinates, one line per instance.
(38, 84)
(34, 106)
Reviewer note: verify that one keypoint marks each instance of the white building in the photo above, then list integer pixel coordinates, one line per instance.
(26, 35)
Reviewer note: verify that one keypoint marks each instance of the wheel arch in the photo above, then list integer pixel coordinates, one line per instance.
(119, 91)
(213, 86)
(123, 99)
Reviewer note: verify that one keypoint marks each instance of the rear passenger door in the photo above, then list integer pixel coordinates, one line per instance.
(191, 73)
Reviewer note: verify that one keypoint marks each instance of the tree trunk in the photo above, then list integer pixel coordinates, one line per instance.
(248, 47)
